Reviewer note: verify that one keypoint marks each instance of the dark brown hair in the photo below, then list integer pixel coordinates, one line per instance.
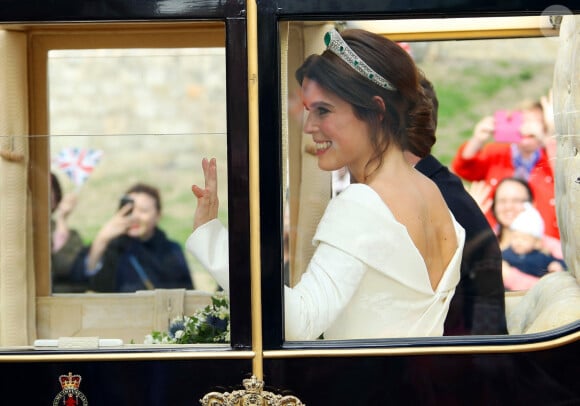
(56, 189)
(149, 190)
(406, 120)
(431, 95)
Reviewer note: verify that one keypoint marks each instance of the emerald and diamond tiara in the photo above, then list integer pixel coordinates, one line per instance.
(338, 46)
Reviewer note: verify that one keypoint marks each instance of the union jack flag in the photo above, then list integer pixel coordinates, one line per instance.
(78, 163)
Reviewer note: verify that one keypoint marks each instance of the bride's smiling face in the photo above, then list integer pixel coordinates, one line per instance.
(341, 138)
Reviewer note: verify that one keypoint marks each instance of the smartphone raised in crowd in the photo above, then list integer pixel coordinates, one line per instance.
(125, 200)
(507, 126)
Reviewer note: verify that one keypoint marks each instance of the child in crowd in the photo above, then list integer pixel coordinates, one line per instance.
(523, 253)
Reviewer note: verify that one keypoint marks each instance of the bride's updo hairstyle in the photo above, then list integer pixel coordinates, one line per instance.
(406, 118)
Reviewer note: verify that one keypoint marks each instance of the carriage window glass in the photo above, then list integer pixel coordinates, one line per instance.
(125, 117)
(473, 79)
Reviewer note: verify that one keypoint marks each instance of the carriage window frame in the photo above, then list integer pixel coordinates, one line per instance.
(86, 37)
(274, 309)
(193, 34)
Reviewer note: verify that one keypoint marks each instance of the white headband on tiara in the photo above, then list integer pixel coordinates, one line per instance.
(338, 46)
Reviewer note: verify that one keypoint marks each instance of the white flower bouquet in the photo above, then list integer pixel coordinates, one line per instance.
(208, 325)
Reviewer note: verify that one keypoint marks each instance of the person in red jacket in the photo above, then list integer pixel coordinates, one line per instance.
(530, 158)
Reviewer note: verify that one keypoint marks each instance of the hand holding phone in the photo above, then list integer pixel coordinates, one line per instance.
(127, 200)
(507, 126)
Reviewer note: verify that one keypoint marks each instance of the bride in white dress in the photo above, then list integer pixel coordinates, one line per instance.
(388, 250)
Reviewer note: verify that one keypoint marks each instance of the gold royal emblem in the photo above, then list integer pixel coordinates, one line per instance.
(253, 395)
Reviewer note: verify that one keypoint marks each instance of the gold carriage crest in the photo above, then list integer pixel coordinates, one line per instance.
(70, 395)
(253, 395)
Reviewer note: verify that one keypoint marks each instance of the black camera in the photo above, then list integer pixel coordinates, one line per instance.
(125, 200)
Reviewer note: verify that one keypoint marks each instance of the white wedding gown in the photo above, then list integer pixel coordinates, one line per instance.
(366, 278)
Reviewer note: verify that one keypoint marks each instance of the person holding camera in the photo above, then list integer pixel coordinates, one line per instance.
(523, 146)
(130, 252)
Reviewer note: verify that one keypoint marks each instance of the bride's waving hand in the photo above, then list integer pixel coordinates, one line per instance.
(207, 197)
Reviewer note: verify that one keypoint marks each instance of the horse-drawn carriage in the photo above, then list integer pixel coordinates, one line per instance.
(267, 174)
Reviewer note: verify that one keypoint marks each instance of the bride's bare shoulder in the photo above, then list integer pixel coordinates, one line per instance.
(434, 199)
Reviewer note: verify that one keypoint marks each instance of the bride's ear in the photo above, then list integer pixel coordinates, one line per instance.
(381, 104)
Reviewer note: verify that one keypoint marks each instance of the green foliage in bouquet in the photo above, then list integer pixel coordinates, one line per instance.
(208, 325)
